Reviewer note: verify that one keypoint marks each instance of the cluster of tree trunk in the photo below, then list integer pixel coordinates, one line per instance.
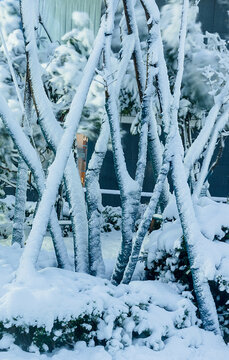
(167, 152)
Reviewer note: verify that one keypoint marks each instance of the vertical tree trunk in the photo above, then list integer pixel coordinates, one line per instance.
(22, 175)
(129, 189)
(20, 203)
(94, 201)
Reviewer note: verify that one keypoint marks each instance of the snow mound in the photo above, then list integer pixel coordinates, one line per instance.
(198, 345)
(213, 219)
(61, 307)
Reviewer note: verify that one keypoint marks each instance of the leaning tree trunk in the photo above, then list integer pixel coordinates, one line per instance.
(189, 224)
(22, 174)
(29, 155)
(93, 194)
(219, 126)
(192, 238)
(52, 132)
(155, 148)
(64, 148)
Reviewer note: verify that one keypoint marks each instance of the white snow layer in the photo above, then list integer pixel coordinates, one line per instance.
(54, 293)
(212, 218)
(195, 344)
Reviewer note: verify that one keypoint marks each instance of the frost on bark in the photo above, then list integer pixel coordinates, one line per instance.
(94, 201)
(147, 117)
(145, 222)
(193, 238)
(197, 147)
(22, 173)
(20, 202)
(130, 190)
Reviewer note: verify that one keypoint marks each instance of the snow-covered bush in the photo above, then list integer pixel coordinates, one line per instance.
(63, 72)
(111, 218)
(167, 260)
(65, 307)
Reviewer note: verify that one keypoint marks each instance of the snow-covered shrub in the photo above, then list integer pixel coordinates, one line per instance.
(166, 256)
(63, 72)
(111, 218)
(60, 309)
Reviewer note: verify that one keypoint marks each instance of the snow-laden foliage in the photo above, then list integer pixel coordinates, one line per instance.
(11, 27)
(166, 258)
(205, 69)
(63, 72)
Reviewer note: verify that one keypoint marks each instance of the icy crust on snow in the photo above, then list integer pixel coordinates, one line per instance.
(212, 218)
(146, 313)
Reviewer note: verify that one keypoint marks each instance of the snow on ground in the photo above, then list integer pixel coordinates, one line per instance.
(207, 347)
(53, 293)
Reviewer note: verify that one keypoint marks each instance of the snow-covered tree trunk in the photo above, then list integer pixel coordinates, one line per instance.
(129, 189)
(29, 155)
(197, 147)
(191, 232)
(93, 194)
(53, 132)
(193, 241)
(64, 148)
(20, 202)
(146, 220)
(148, 117)
(155, 149)
(94, 201)
(219, 126)
(22, 175)
(130, 197)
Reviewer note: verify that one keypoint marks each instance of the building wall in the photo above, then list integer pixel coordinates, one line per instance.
(57, 15)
